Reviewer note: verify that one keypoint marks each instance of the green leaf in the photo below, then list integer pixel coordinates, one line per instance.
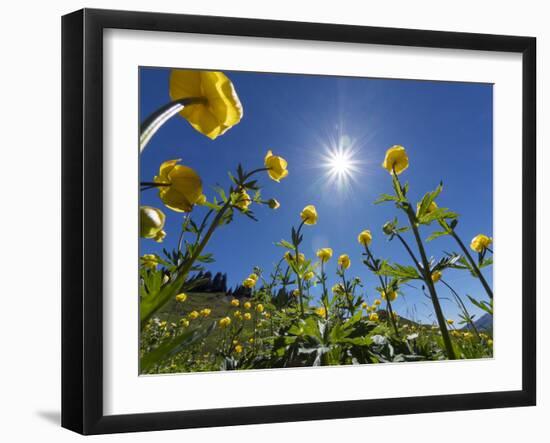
(385, 198)
(173, 346)
(437, 234)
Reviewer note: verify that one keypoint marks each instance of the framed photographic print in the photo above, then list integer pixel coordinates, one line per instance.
(269, 221)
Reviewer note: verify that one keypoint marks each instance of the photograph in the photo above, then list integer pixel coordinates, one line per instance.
(291, 220)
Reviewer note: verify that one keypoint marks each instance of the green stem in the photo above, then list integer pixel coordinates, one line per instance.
(385, 289)
(472, 263)
(298, 279)
(158, 118)
(463, 307)
(426, 274)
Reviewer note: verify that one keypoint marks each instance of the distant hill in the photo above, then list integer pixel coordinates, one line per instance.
(483, 323)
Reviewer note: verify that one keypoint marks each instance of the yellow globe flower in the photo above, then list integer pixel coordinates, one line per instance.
(364, 305)
(150, 261)
(321, 312)
(273, 204)
(224, 322)
(253, 277)
(377, 302)
(243, 200)
(249, 283)
(184, 323)
(365, 238)
(237, 314)
(235, 302)
(183, 186)
(480, 242)
(324, 254)
(296, 293)
(247, 316)
(373, 316)
(391, 295)
(193, 315)
(151, 222)
(205, 312)
(267, 315)
(219, 108)
(396, 159)
(436, 276)
(238, 349)
(181, 297)
(260, 307)
(309, 215)
(276, 166)
(450, 321)
(344, 261)
(251, 340)
(309, 275)
(247, 305)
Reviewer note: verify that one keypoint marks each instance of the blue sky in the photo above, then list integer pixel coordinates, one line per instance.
(445, 127)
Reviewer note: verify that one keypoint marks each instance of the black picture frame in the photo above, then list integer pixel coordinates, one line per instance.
(82, 218)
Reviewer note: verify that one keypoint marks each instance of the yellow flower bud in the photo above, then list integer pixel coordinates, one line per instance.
(151, 222)
(184, 322)
(431, 208)
(364, 305)
(237, 314)
(338, 288)
(324, 254)
(205, 312)
(193, 315)
(235, 302)
(309, 215)
(249, 283)
(251, 340)
(243, 200)
(182, 186)
(450, 321)
(365, 237)
(218, 108)
(201, 200)
(224, 322)
(181, 297)
(309, 275)
(247, 316)
(377, 302)
(480, 242)
(396, 159)
(247, 305)
(150, 261)
(260, 307)
(277, 166)
(267, 315)
(289, 257)
(373, 316)
(436, 276)
(344, 261)
(253, 277)
(321, 312)
(391, 295)
(238, 349)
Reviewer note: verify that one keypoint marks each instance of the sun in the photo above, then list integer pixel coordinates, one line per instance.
(341, 163)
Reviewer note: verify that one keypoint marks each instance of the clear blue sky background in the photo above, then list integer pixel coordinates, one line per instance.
(445, 127)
